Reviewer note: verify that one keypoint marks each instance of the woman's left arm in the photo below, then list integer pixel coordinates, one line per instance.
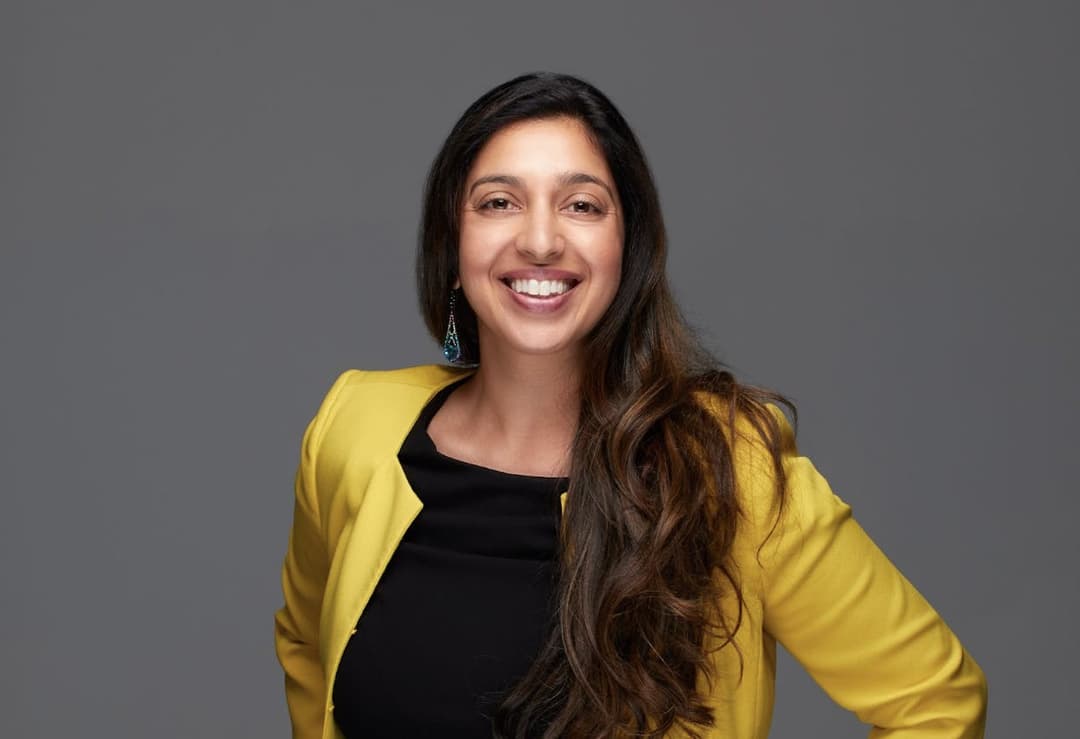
(852, 619)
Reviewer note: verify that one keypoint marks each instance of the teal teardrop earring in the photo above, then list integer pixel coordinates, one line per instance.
(451, 346)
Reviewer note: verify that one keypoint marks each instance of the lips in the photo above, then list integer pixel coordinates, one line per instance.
(540, 303)
(536, 287)
(538, 273)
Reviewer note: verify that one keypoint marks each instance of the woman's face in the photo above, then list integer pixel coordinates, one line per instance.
(541, 216)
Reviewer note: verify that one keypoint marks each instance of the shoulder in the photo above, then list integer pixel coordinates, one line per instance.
(764, 459)
(752, 438)
(365, 407)
(385, 386)
(788, 506)
(424, 376)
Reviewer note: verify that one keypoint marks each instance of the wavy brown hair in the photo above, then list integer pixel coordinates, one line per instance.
(651, 514)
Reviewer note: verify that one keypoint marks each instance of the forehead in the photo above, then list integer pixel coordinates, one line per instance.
(540, 147)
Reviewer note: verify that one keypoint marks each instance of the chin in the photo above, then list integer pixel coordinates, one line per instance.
(533, 340)
(537, 347)
(540, 347)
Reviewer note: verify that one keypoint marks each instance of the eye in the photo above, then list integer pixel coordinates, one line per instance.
(586, 207)
(494, 204)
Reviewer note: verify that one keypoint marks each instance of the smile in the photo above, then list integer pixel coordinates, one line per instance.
(540, 288)
(540, 297)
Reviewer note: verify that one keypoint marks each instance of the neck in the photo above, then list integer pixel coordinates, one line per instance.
(527, 404)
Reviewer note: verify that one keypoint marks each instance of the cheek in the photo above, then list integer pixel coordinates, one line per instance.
(477, 248)
(470, 258)
(611, 265)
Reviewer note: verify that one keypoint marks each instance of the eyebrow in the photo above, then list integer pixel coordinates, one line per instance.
(562, 179)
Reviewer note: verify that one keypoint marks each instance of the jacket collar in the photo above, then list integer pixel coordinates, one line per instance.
(379, 516)
(448, 376)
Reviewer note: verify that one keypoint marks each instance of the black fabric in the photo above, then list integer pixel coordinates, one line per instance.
(463, 605)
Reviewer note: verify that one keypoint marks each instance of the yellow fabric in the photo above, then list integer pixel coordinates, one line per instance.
(819, 586)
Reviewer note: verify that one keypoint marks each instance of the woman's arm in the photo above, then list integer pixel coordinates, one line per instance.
(303, 583)
(296, 624)
(849, 616)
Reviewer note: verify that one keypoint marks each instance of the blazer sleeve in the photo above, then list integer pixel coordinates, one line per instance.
(854, 622)
(303, 583)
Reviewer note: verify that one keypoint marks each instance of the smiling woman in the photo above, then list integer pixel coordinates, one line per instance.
(585, 526)
(540, 212)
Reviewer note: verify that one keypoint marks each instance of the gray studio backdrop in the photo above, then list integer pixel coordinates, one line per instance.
(209, 210)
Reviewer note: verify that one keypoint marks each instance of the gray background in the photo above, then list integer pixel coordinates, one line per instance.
(209, 210)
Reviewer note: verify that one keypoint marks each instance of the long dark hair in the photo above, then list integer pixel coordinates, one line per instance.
(651, 514)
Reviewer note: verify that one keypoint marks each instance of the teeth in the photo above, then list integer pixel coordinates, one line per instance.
(540, 287)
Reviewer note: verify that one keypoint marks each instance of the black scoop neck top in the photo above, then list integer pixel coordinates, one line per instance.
(464, 603)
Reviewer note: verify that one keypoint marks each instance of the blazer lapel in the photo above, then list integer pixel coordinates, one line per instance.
(384, 509)
(385, 506)
(367, 543)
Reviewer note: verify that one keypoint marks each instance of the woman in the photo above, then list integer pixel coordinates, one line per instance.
(584, 526)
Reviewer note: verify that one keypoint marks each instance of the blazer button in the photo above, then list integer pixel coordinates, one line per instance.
(352, 632)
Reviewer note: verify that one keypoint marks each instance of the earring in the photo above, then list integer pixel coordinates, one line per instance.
(451, 347)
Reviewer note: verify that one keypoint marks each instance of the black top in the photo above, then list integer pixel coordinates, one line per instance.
(463, 605)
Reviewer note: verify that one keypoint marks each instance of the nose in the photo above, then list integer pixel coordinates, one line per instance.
(540, 239)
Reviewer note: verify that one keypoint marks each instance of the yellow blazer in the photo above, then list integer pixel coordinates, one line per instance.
(822, 588)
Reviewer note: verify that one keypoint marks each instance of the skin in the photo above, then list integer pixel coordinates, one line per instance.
(519, 411)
